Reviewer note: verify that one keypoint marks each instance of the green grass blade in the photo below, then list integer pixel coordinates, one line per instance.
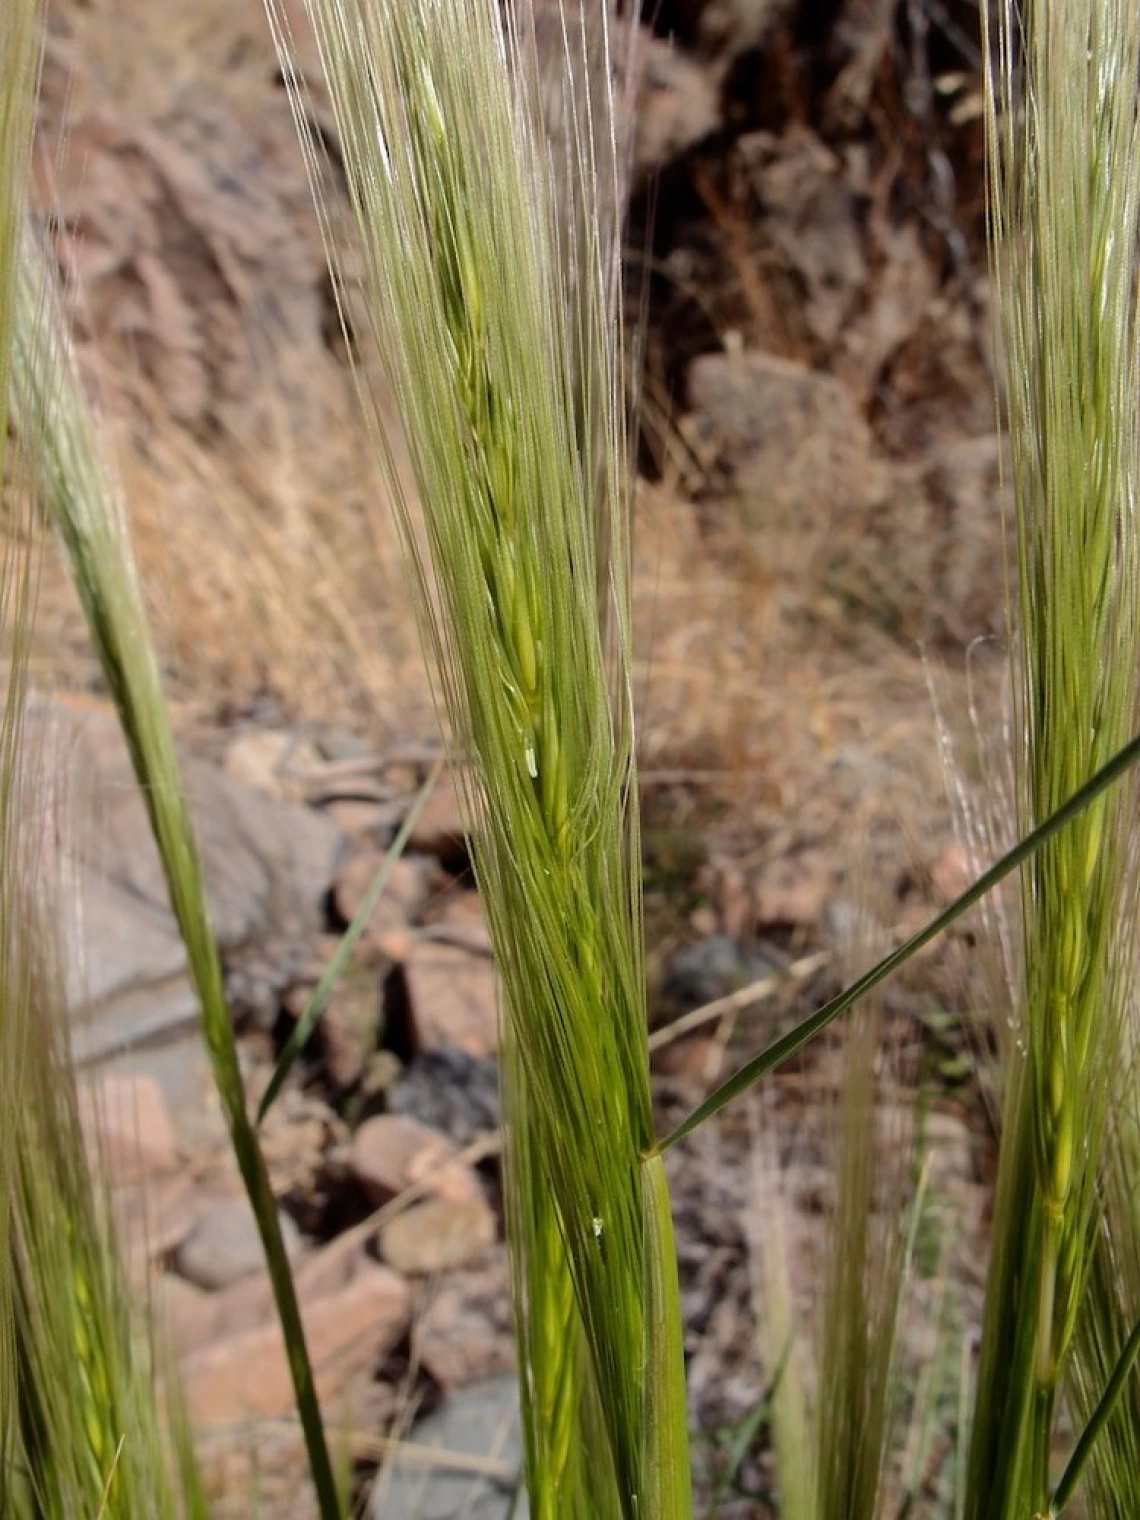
(1096, 1426)
(49, 406)
(310, 1017)
(788, 1044)
(784, 1400)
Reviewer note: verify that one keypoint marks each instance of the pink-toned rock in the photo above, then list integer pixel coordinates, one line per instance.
(349, 1026)
(452, 995)
(129, 1127)
(244, 1374)
(270, 760)
(351, 1020)
(440, 829)
(225, 1245)
(459, 920)
(357, 815)
(687, 1059)
(466, 1330)
(182, 1312)
(951, 875)
(393, 1151)
(407, 891)
(249, 1302)
(152, 1220)
(793, 890)
(437, 1236)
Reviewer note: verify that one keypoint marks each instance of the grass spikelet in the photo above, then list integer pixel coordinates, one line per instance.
(19, 64)
(89, 1437)
(1109, 1312)
(1063, 145)
(491, 271)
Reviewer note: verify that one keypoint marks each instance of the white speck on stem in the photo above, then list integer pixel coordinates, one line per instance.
(531, 763)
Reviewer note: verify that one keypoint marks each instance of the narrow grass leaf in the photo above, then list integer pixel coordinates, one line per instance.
(1095, 1428)
(788, 1044)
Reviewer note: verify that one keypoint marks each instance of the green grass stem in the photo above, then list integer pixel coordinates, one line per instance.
(49, 407)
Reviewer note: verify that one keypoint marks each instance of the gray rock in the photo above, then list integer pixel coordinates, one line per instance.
(225, 1246)
(712, 968)
(481, 1421)
(451, 1091)
(793, 441)
(268, 865)
(181, 1067)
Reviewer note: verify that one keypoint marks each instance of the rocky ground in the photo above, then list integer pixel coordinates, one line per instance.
(819, 567)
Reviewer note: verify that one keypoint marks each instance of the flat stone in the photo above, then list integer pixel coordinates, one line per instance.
(224, 1245)
(391, 1152)
(269, 760)
(481, 1422)
(466, 1330)
(128, 1126)
(440, 828)
(450, 1091)
(184, 1315)
(794, 440)
(152, 1220)
(360, 815)
(407, 891)
(181, 1067)
(792, 890)
(453, 999)
(438, 1235)
(245, 1374)
(459, 920)
(268, 865)
(349, 1027)
(350, 1023)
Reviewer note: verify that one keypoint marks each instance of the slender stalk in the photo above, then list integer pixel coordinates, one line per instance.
(1096, 1427)
(48, 404)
